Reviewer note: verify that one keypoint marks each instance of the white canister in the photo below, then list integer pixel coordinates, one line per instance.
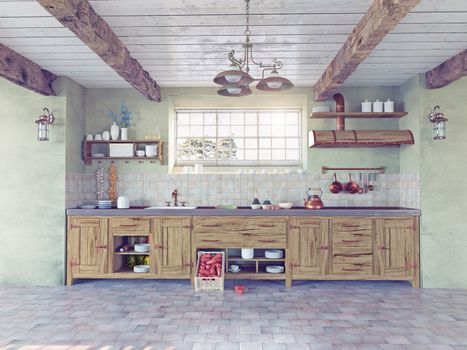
(106, 135)
(151, 150)
(377, 106)
(366, 106)
(248, 253)
(389, 106)
(123, 202)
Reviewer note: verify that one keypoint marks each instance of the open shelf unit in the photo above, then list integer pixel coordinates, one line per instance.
(91, 147)
(377, 115)
(121, 260)
(254, 268)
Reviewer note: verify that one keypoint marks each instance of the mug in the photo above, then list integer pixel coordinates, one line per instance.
(98, 137)
(234, 268)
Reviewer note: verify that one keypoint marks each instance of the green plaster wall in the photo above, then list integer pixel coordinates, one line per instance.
(33, 188)
(441, 167)
(148, 115)
(75, 126)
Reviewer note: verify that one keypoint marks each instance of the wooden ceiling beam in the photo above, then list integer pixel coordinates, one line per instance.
(22, 71)
(81, 19)
(447, 72)
(381, 18)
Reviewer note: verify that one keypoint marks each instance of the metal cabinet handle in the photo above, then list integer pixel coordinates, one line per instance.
(210, 240)
(344, 269)
(351, 241)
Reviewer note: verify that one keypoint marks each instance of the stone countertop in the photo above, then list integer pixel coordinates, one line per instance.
(245, 211)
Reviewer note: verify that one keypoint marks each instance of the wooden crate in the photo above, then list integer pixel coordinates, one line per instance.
(210, 284)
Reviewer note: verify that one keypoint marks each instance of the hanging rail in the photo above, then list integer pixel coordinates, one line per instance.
(325, 169)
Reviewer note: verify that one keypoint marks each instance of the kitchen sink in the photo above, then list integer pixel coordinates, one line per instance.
(166, 207)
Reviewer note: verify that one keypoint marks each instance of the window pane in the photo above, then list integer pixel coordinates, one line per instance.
(264, 118)
(251, 131)
(183, 118)
(264, 143)
(210, 131)
(210, 119)
(291, 118)
(278, 154)
(197, 119)
(251, 143)
(292, 154)
(291, 130)
(226, 137)
(264, 131)
(292, 143)
(224, 118)
(278, 118)
(251, 154)
(237, 130)
(237, 119)
(183, 131)
(224, 130)
(251, 118)
(196, 131)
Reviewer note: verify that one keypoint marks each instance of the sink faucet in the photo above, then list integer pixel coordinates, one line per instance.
(175, 197)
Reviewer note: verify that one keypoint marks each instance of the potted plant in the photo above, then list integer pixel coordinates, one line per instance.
(121, 120)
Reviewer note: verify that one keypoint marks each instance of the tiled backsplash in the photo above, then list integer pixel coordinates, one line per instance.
(206, 189)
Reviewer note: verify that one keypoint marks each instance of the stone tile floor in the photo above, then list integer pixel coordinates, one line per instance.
(170, 315)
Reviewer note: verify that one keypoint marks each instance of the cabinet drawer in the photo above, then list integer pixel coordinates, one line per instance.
(352, 263)
(240, 224)
(240, 240)
(129, 224)
(85, 221)
(352, 225)
(343, 240)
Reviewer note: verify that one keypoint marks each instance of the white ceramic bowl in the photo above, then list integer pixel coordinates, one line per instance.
(284, 205)
(318, 109)
(266, 206)
(140, 153)
(274, 254)
(256, 206)
(141, 268)
(274, 269)
(142, 247)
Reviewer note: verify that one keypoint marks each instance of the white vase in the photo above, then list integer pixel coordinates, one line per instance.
(114, 131)
(124, 134)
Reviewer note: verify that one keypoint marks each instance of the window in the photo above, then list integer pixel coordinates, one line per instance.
(238, 137)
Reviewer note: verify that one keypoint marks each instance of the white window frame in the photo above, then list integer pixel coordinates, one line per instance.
(239, 163)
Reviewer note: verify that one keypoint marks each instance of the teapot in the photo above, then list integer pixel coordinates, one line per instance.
(313, 200)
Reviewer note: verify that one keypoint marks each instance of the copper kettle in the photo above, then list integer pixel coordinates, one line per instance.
(313, 200)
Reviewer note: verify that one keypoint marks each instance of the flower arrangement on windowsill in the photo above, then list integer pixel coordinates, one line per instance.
(121, 120)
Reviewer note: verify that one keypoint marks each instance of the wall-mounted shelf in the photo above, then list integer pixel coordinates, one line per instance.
(362, 115)
(104, 147)
(325, 169)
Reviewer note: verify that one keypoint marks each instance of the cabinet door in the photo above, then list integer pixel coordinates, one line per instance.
(309, 246)
(88, 246)
(172, 246)
(394, 246)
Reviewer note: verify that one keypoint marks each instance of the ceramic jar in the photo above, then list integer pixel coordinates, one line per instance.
(114, 131)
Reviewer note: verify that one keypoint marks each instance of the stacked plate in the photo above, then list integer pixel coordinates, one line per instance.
(104, 204)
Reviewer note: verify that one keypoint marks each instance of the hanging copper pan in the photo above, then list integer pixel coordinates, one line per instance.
(336, 187)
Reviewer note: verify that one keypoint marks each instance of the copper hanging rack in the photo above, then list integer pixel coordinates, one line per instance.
(325, 169)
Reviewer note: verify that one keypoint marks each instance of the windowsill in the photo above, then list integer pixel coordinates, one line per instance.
(259, 170)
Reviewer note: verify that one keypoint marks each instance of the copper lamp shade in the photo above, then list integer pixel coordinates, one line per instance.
(274, 83)
(235, 91)
(233, 77)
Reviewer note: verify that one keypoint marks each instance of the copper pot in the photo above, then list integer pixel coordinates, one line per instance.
(336, 187)
(352, 187)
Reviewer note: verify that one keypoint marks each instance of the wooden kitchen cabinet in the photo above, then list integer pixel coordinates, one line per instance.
(87, 248)
(352, 246)
(309, 247)
(396, 248)
(171, 241)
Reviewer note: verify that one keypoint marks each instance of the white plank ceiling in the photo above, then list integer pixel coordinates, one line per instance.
(185, 42)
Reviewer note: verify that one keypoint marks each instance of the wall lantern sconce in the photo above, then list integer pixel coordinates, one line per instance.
(43, 122)
(439, 123)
